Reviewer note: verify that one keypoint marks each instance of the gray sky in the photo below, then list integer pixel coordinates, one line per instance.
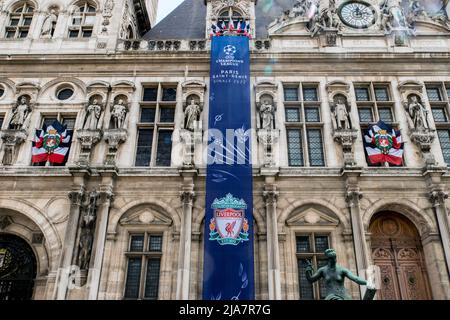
(165, 7)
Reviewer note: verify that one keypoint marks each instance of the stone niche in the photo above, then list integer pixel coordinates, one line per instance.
(344, 132)
(421, 132)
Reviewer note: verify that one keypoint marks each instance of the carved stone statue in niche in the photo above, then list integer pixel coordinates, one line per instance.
(119, 114)
(87, 231)
(192, 115)
(418, 113)
(49, 24)
(267, 114)
(341, 113)
(93, 113)
(21, 114)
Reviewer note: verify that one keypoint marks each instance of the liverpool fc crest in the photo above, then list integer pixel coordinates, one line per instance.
(229, 225)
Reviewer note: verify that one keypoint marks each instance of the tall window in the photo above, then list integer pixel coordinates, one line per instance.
(143, 266)
(439, 97)
(82, 21)
(374, 103)
(155, 128)
(303, 125)
(310, 249)
(20, 21)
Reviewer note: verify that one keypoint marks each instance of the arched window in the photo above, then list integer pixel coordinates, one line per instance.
(19, 21)
(82, 21)
(230, 15)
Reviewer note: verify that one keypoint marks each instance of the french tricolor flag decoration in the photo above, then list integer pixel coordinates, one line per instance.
(51, 144)
(383, 145)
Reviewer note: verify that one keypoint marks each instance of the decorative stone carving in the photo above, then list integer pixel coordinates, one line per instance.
(5, 221)
(438, 197)
(353, 196)
(107, 14)
(114, 138)
(12, 139)
(341, 112)
(343, 132)
(87, 228)
(268, 138)
(189, 140)
(93, 115)
(192, 116)
(49, 24)
(119, 115)
(323, 19)
(88, 139)
(21, 114)
(420, 131)
(267, 114)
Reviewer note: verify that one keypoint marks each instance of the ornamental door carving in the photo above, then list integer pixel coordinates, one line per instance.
(397, 250)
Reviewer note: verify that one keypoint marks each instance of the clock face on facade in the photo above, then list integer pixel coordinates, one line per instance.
(357, 14)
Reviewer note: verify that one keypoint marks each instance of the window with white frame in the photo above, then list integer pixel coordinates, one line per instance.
(304, 127)
(143, 266)
(156, 125)
(439, 98)
(82, 21)
(19, 22)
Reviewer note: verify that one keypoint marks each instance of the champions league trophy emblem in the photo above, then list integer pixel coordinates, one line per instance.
(229, 51)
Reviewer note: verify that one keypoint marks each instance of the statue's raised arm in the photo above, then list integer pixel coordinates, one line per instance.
(312, 276)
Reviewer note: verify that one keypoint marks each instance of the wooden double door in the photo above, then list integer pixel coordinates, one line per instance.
(397, 251)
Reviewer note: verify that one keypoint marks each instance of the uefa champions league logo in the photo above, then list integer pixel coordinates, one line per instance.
(229, 51)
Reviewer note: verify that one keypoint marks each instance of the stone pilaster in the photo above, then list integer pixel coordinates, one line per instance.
(106, 197)
(187, 196)
(273, 253)
(76, 196)
(353, 197)
(437, 198)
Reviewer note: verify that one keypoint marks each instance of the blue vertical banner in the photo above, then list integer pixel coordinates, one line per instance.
(228, 272)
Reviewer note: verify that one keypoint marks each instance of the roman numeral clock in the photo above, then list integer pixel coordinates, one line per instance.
(357, 14)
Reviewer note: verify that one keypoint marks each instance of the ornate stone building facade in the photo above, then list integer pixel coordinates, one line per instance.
(123, 218)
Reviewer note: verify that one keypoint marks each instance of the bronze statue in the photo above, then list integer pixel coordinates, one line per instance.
(334, 277)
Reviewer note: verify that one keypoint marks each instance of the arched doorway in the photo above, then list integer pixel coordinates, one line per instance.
(17, 268)
(397, 250)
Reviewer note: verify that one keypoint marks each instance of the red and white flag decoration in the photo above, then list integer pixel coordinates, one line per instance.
(383, 145)
(52, 144)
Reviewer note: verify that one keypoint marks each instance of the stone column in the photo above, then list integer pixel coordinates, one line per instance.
(437, 198)
(187, 195)
(359, 240)
(105, 199)
(76, 197)
(273, 253)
